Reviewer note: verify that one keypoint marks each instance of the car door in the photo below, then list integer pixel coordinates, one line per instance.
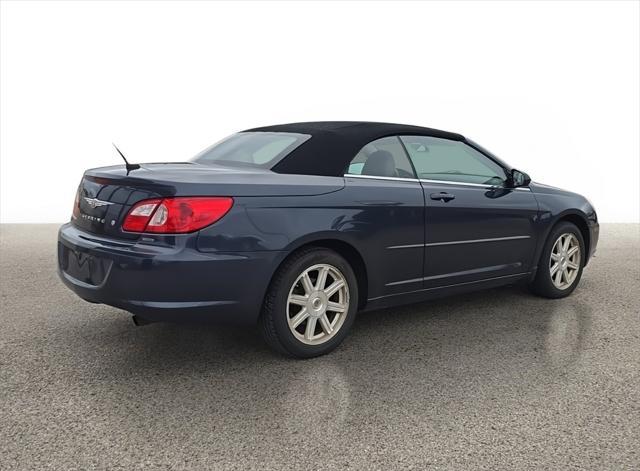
(387, 205)
(475, 227)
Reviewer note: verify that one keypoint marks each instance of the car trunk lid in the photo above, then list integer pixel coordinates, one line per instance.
(106, 194)
(102, 204)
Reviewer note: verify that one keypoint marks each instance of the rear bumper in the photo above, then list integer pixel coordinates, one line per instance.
(174, 283)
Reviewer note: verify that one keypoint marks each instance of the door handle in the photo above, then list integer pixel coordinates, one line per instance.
(442, 196)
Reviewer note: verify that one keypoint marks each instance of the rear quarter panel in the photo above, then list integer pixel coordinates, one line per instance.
(285, 223)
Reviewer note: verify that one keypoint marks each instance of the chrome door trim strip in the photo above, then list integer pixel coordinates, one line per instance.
(412, 246)
(476, 241)
(404, 293)
(474, 271)
(404, 282)
(374, 177)
(456, 242)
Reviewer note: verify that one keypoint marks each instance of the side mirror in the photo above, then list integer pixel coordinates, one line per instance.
(517, 178)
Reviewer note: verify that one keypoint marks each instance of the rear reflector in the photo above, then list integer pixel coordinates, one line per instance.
(176, 215)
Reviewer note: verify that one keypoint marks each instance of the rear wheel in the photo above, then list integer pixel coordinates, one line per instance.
(561, 262)
(311, 304)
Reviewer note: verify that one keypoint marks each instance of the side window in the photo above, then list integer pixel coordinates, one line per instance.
(442, 159)
(382, 158)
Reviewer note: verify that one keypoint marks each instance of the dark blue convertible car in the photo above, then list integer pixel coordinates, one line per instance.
(297, 227)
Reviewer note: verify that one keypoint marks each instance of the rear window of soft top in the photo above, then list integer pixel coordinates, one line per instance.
(252, 149)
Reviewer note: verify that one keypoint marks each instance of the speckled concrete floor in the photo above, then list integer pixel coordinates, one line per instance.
(498, 379)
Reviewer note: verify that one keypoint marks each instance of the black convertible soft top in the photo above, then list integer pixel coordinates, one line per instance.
(333, 144)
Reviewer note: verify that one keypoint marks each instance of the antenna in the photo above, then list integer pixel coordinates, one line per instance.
(126, 162)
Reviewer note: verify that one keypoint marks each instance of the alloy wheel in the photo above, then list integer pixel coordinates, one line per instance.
(564, 263)
(317, 304)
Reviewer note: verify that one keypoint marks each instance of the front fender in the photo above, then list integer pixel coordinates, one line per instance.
(557, 205)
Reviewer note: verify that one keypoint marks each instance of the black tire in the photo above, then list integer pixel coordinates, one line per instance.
(542, 284)
(273, 320)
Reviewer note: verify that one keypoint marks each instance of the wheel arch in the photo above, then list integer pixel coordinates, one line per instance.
(345, 249)
(574, 217)
(580, 221)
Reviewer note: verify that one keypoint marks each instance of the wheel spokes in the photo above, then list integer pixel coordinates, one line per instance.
(573, 266)
(558, 277)
(309, 304)
(298, 299)
(333, 289)
(326, 325)
(336, 307)
(564, 260)
(306, 283)
(299, 318)
(311, 328)
(322, 278)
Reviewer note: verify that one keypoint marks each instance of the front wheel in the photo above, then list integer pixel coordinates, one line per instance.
(311, 304)
(561, 262)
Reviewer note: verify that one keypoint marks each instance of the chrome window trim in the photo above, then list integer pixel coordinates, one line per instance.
(456, 242)
(480, 185)
(374, 177)
(444, 182)
(448, 182)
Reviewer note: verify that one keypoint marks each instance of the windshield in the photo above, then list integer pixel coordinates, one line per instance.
(253, 149)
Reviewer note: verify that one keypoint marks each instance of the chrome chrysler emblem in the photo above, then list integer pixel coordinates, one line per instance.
(96, 203)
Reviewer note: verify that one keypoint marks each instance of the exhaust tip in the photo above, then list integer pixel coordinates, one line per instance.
(140, 321)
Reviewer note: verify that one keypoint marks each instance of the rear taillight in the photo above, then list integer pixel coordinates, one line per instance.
(139, 216)
(176, 215)
(76, 206)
